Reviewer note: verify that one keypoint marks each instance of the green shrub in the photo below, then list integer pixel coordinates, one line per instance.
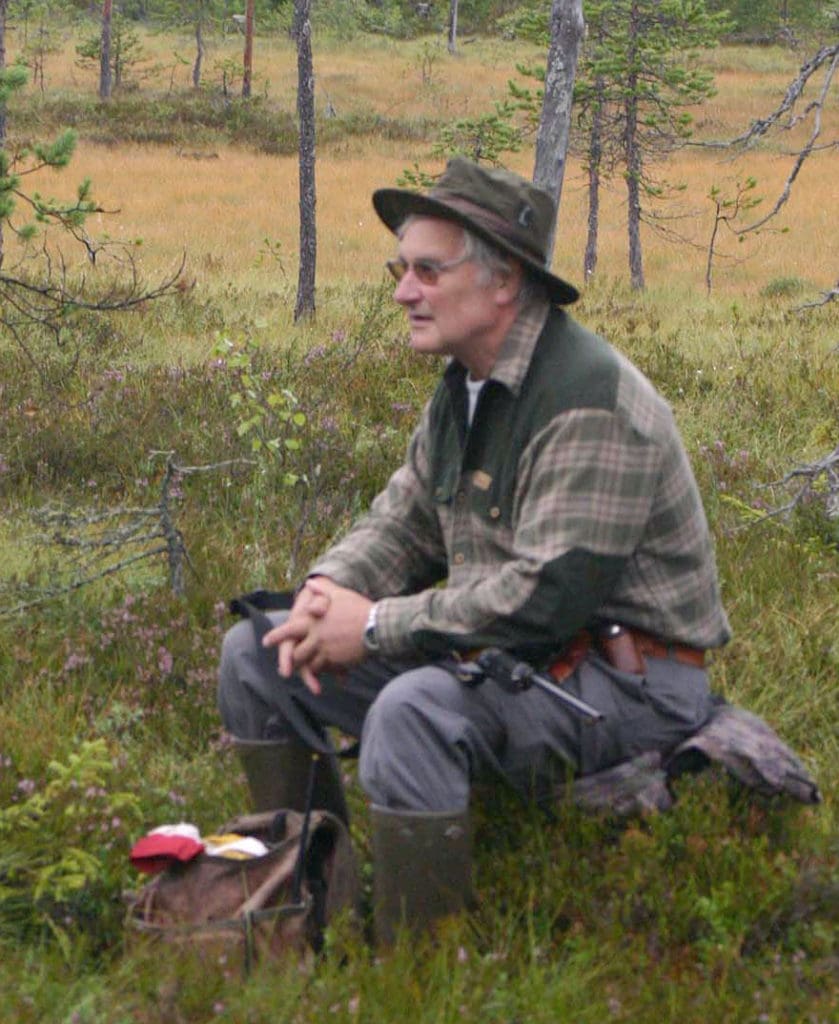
(64, 848)
(783, 288)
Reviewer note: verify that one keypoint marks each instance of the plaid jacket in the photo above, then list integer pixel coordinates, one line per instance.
(569, 500)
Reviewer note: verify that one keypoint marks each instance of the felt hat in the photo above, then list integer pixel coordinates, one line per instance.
(500, 207)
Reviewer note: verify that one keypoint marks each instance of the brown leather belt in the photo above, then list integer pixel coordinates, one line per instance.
(652, 647)
(570, 656)
(625, 649)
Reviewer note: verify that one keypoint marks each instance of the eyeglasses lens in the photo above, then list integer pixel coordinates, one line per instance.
(425, 272)
(397, 269)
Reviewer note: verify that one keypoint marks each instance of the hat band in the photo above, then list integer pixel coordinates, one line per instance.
(487, 219)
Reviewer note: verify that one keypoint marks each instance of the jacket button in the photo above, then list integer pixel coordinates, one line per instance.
(459, 558)
(494, 512)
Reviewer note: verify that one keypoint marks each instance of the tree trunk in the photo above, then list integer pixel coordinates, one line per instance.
(4, 4)
(633, 157)
(117, 59)
(199, 54)
(595, 158)
(105, 52)
(633, 196)
(305, 304)
(247, 61)
(453, 26)
(567, 27)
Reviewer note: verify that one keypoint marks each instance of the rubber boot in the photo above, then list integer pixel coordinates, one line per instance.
(278, 773)
(422, 869)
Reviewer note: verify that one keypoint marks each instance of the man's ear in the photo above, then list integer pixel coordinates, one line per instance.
(508, 284)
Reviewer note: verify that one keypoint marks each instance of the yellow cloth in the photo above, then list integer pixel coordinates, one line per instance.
(234, 846)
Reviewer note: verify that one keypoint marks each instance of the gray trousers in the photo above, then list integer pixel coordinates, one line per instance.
(426, 736)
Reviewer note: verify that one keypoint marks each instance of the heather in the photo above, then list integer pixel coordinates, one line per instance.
(154, 465)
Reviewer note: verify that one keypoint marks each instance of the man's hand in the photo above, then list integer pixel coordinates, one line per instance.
(308, 605)
(325, 629)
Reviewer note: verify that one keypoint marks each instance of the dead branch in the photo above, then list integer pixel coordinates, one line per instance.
(98, 540)
(829, 296)
(817, 480)
(760, 127)
(784, 118)
(39, 295)
(816, 107)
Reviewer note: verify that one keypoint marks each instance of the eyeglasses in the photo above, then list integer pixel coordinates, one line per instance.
(426, 271)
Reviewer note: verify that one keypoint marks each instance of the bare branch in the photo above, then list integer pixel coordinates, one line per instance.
(49, 297)
(782, 118)
(819, 481)
(96, 537)
(758, 128)
(829, 296)
(69, 588)
(817, 106)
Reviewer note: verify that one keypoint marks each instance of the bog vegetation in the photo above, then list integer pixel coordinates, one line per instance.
(203, 445)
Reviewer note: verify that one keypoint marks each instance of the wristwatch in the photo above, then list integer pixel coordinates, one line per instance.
(371, 640)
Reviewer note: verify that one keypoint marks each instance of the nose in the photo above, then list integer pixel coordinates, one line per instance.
(407, 288)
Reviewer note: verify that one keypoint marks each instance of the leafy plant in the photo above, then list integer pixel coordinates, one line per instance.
(63, 847)
(268, 416)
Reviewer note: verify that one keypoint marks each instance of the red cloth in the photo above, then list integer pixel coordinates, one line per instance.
(156, 851)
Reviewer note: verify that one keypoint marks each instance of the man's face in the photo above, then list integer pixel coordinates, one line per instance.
(458, 314)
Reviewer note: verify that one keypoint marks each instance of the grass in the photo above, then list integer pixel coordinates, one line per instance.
(727, 908)
(388, 96)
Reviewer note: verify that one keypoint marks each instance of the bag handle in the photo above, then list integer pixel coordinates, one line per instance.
(256, 901)
(251, 907)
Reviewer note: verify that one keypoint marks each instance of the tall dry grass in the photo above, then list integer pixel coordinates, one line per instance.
(220, 205)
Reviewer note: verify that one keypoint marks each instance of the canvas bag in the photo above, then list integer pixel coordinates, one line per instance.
(276, 905)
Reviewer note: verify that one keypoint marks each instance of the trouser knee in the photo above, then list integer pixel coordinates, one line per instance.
(244, 713)
(414, 748)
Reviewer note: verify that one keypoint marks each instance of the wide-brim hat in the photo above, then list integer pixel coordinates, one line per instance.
(500, 207)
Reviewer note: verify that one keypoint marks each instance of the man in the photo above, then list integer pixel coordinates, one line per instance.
(547, 486)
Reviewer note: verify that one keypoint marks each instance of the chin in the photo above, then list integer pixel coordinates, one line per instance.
(423, 342)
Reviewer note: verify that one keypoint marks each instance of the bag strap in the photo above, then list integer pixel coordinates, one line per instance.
(295, 707)
(256, 901)
(299, 867)
(264, 600)
(251, 907)
(295, 714)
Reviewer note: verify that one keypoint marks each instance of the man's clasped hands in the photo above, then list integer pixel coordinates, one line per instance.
(324, 630)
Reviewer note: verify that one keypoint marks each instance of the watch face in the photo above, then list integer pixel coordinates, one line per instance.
(370, 641)
(369, 638)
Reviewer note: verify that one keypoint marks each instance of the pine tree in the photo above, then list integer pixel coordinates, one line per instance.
(247, 60)
(40, 294)
(115, 50)
(636, 79)
(648, 53)
(197, 15)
